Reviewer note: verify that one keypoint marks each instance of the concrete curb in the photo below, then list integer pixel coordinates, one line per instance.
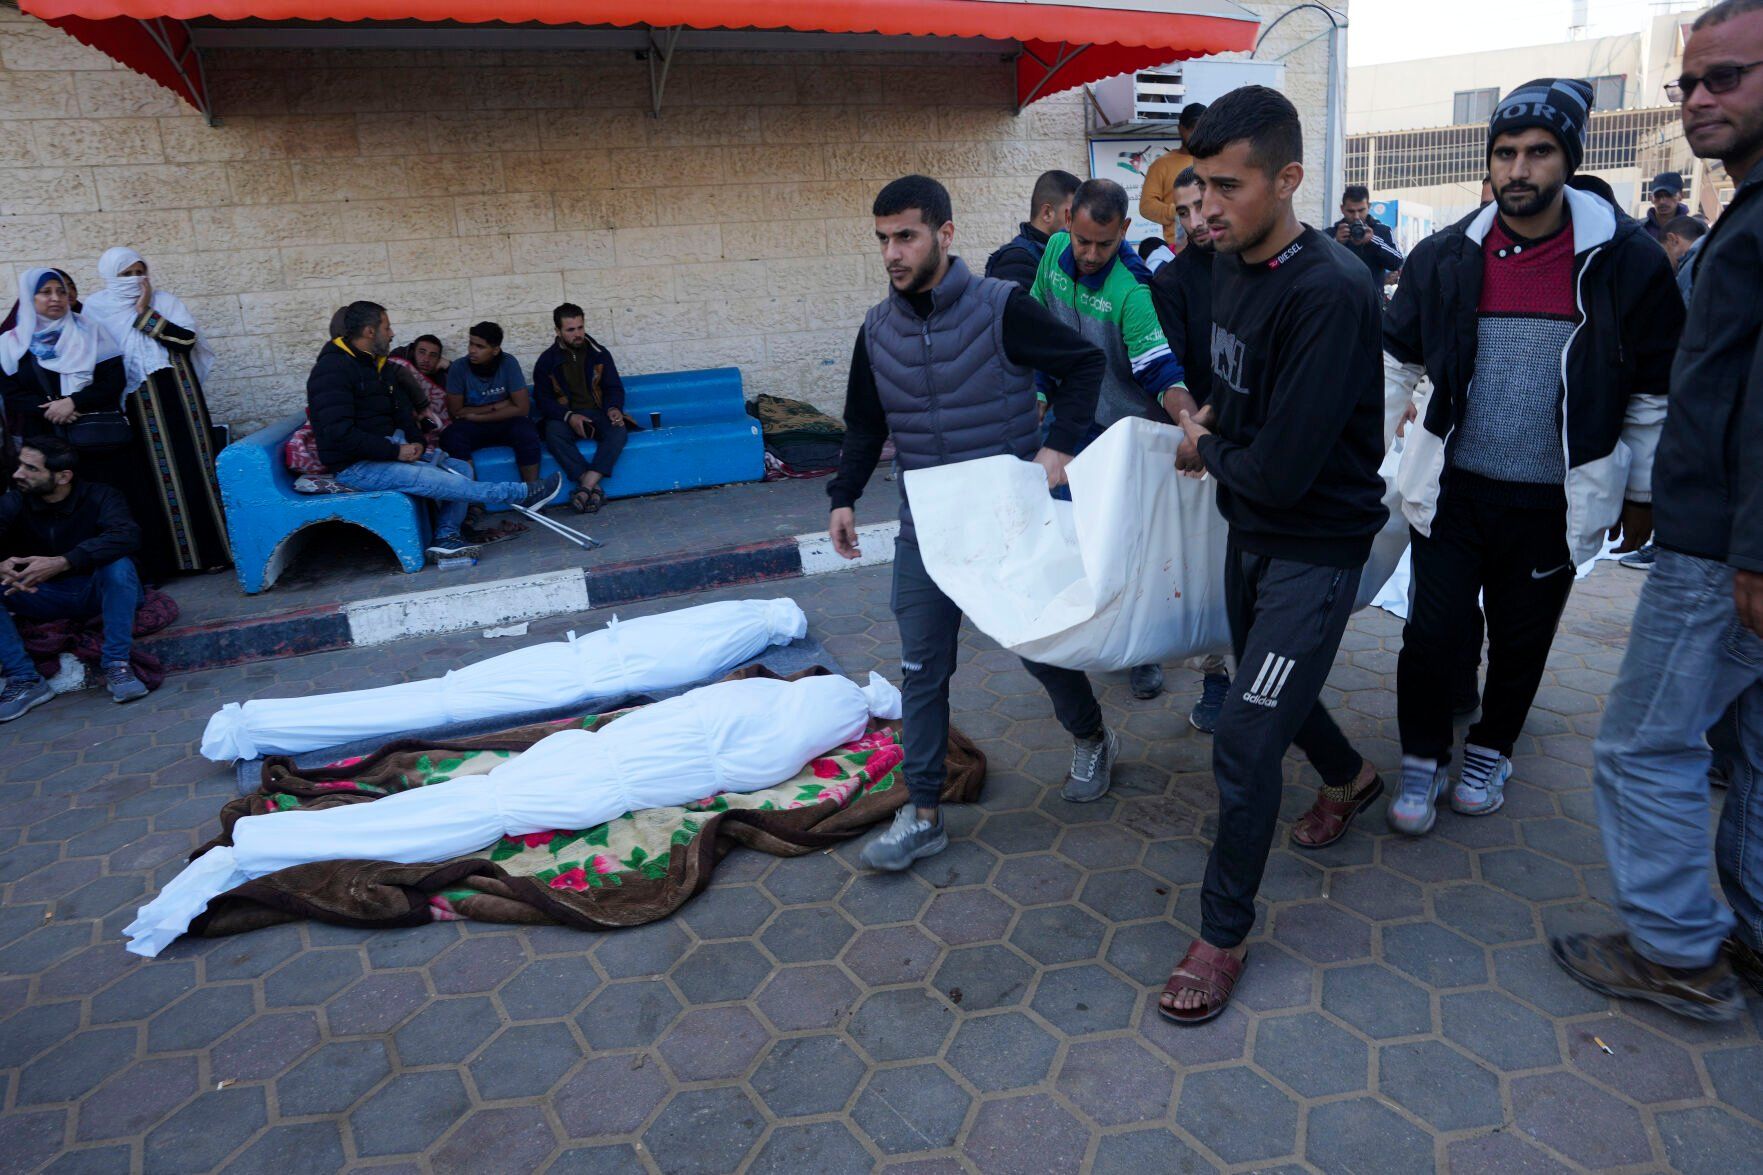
(375, 621)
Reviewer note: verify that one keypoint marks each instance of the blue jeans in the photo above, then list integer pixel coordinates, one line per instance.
(1688, 659)
(112, 591)
(419, 479)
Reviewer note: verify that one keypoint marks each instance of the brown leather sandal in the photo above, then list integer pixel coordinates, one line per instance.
(1211, 972)
(1328, 820)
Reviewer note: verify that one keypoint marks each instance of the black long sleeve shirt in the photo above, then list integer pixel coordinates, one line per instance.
(90, 527)
(1182, 293)
(1033, 338)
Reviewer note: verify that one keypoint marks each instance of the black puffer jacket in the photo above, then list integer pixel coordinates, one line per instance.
(354, 404)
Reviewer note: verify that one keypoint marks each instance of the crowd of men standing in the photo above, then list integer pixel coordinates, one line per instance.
(1560, 373)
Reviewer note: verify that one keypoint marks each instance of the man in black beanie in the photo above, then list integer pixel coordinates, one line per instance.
(1547, 324)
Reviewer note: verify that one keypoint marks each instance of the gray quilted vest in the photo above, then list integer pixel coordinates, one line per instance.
(949, 391)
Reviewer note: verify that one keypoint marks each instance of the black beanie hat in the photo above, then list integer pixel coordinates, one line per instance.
(1560, 106)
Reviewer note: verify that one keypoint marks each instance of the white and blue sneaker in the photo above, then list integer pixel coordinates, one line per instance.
(1414, 809)
(906, 840)
(1482, 787)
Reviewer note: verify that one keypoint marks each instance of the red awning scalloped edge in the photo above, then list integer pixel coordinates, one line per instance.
(1119, 39)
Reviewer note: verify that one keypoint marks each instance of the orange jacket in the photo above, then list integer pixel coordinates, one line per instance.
(1157, 199)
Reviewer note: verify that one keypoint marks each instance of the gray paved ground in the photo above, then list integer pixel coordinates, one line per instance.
(992, 1012)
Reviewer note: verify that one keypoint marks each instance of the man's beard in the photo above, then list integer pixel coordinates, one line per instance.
(38, 489)
(922, 275)
(1526, 204)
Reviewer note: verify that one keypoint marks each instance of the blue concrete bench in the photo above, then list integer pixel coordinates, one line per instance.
(264, 513)
(706, 437)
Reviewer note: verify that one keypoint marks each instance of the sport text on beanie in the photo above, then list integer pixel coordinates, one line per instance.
(1560, 106)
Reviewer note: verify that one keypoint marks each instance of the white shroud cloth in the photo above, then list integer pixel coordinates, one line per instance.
(737, 736)
(654, 653)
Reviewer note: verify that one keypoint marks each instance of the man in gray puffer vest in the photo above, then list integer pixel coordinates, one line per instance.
(946, 364)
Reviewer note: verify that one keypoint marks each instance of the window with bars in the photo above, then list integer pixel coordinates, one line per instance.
(1473, 105)
(1386, 160)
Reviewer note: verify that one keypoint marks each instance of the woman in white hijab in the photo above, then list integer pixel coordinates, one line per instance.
(57, 365)
(183, 528)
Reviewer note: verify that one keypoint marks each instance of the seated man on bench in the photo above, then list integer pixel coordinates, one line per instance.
(360, 421)
(487, 399)
(580, 397)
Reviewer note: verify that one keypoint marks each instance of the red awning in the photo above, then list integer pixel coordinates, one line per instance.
(1063, 44)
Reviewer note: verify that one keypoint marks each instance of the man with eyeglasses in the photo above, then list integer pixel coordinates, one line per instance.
(1697, 642)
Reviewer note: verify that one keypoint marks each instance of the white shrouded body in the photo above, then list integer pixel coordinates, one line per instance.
(652, 653)
(737, 736)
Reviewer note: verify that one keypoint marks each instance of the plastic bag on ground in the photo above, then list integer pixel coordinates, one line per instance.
(737, 736)
(659, 652)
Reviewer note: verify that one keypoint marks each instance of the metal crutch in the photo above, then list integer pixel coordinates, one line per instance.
(584, 541)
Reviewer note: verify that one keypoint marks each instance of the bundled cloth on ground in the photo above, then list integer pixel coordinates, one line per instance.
(659, 652)
(1129, 572)
(804, 440)
(46, 640)
(598, 821)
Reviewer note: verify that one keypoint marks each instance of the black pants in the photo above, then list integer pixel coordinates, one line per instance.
(930, 636)
(1286, 621)
(1516, 558)
(462, 438)
(608, 438)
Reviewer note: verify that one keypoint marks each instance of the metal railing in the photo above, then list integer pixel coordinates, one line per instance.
(1385, 160)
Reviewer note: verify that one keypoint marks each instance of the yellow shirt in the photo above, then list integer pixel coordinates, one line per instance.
(1157, 199)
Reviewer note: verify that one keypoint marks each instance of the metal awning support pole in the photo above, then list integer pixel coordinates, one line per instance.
(1067, 54)
(658, 78)
(187, 62)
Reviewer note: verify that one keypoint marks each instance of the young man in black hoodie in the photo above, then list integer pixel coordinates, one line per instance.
(1296, 439)
(1547, 324)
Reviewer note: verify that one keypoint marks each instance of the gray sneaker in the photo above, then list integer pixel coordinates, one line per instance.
(906, 840)
(21, 697)
(543, 492)
(1092, 768)
(124, 685)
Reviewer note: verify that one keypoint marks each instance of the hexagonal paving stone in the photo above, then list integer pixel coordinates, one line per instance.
(977, 978)
(808, 934)
(1644, 1067)
(1117, 1081)
(1026, 1136)
(1426, 860)
(264, 1047)
(1506, 1151)
(1574, 1117)
(1126, 895)
(1502, 1032)
(808, 1075)
(525, 1061)
(964, 862)
(1238, 1115)
(645, 950)
(1101, 846)
(609, 1095)
(477, 965)
(800, 881)
(518, 1136)
(409, 1112)
(1058, 934)
(1567, 840)
(807, 997)
(311, 977)
(966, 916)
(1484, 914)
(894, 954)
(201, 1018)
(916, 1108)
(1146, 952)
(1277, 980)
(1734, 1073)
(1322, 932)
(1435, 956)
(875, 899)
(1005, 1051)
(718, 971)
(1018, 832)
(821, 1146)
(1083, 999)
(135, 996)
(548, 988)
(1290, 878)
(413, 947)
(76, 1066)
(1364, 1135)
(333, 1078)
(136, 1098)
(901, 1024)
(1531, 974)
(310, 1146)
(627, 1015)
(1529, 875)
(1181, 861)
(713, 1043)
(447, 1030)
(1223, 1039)
(205, 1131)
(1440, 1084)
(705, 1131)
(1036, 880)
(1312, 1055)
(1708, 1140)
(1140, 1151)
(30, 1140)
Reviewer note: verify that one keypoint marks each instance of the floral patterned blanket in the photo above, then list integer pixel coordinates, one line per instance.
(635, 869)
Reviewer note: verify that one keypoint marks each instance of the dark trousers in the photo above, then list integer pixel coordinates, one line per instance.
(930, 636)
(462, 438)
(112, 591)
(1517, 559)
(608, 439)
(1286, 621)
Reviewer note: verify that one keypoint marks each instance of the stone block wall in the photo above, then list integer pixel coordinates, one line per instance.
(454, 187)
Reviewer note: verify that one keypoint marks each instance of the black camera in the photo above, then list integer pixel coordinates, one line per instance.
(1357, 230)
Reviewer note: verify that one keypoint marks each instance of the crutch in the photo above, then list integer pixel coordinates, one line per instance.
(585, 542)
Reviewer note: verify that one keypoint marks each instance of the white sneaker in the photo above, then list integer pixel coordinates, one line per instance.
(1481, 788)
(1414, 809)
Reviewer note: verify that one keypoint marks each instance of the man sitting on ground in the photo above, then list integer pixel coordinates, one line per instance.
(580, 397)
(67, 550)
(360, 423)
(488, 401)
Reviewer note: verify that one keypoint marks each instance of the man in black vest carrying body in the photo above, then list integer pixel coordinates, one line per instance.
(946, 365)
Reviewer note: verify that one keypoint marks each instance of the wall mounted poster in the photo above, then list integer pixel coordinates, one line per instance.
(1125, 161)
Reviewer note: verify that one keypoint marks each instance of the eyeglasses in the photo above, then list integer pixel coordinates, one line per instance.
(1719, 80)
